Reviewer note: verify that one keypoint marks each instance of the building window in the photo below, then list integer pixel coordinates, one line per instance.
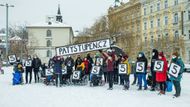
(175, 2)
(159, 39)
(152, 41)
(189, 15)
(49, 44)
(176, 18)
(166, 4)
(158, 22)
(189, 55)
(166, 20)
(49, 53)
(151, 24)
(176, 35)
(144, 11)
(151, 9)
(48, 33)
(145, 41)
(158, 6)
(145, 25)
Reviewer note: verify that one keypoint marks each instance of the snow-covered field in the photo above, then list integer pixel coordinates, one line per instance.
(39, 95)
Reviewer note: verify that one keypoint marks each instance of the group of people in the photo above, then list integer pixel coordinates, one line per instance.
(109, 69)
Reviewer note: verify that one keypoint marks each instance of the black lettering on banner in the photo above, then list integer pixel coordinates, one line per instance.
(95, 45)
(67, 49)
(104, 44)
(60, 50)
(99, 44)
(75, 48)
(80, 48)
(71, 49)
(64, 51)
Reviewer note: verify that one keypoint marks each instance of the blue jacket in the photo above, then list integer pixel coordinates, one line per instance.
(179, 62)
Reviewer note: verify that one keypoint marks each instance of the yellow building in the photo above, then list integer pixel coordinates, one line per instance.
(125, 26)
(162, 25)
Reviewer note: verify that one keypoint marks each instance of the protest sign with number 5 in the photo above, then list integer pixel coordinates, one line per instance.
(174, 70)
(140, 68)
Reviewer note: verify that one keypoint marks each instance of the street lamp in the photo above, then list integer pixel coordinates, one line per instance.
(7, 31)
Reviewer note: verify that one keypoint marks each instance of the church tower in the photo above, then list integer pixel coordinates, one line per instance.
(58, 16)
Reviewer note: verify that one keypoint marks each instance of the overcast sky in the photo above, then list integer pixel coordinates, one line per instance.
(77, 13)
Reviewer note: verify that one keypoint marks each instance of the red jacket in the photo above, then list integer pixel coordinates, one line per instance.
(86, 63)
(109, 61)
(162, 76)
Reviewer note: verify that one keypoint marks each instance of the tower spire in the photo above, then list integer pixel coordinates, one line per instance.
(59, 17)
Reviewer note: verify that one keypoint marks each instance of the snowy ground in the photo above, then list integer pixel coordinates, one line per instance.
(39, 95)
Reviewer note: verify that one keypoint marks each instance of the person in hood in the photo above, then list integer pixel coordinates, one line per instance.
(78, 61)
(142, 75)
(153, 73)
(28, 69)
(58, 70)
(109, 57)
(177, 81)
(161, 76)
(69, 63)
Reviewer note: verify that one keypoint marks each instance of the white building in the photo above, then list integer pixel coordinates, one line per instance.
(187, 31)
(44, 37)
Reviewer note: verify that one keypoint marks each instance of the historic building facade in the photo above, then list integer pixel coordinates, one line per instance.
(44, 37)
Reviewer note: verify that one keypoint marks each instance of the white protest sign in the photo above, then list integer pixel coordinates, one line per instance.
(123, 68)
(76, 75)
(140, 67)
(48, 72)
(174, 70)
(28, 63)
(12, 58)
(99, 61)
(64, 70)
(84, 47)
(158, 66)
(95, 70)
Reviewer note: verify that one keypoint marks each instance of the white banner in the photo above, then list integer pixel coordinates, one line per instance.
(12, 58)
(174, 70)
(84, 47)
(123, 68)
(140, 67)
(158, 66)
(95, 70)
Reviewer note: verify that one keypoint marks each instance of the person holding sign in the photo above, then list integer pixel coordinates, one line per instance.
(178, 63)
(127, 71)
(58, 70)
(36, 64)
(141, 67)
(153, 73)
(161, 75)
(69, 63)
(109, 57)
(28, 69)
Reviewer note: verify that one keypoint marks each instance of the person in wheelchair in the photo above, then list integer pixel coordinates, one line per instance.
(96, 79)
(80, 67)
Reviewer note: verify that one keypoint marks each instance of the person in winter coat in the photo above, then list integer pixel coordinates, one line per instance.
(58, 70)
(125, 77)
(110, 59)
(78, 61)
(69, 63)
(177, 81)
(50, 63)
(161, 76)
(87, 66)
(91, 62)
(142, 75)
(81, 68)
(36, 64)
(28, 69)
(153, 73)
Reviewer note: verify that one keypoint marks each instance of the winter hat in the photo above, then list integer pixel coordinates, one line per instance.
(125, 56)
(176, 54)
(161, 54)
